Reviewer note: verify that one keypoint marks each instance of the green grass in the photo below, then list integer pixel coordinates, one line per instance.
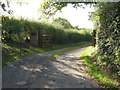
(11, 53)
(55, 55)
(94, 70)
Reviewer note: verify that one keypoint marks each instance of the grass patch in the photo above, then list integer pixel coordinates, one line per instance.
(55, 55)
(94, 70)
(11, 53)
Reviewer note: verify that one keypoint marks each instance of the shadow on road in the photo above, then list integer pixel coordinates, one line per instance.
(39, 71)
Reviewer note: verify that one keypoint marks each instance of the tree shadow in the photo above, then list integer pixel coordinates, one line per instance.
(41, 72)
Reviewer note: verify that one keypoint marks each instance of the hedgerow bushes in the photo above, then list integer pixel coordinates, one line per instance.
(15, 34)
(17, 30)
(107, 18)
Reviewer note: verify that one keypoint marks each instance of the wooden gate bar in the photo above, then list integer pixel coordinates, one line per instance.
(38, 39)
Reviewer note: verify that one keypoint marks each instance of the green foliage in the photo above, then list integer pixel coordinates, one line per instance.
(62, 22)
(107, 21)
(77, 27)
(49, 8)
(14, 30)
(104, 78)
(107, 17)
(11, 53)
(17, 31)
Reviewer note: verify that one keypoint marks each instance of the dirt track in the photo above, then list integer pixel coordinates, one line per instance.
(39, 71)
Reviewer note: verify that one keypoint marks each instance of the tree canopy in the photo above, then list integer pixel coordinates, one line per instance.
(49, 8)
(63, 22)
(5, 5)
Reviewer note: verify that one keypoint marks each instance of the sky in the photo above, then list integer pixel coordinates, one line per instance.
(78, 16)
(74, 16)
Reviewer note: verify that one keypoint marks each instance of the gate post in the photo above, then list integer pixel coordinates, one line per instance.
(94, 38)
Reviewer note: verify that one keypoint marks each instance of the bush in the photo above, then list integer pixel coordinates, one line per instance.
(17, 31)
(108, 34)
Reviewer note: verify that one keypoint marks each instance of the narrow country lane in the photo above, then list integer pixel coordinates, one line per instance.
(39, 71)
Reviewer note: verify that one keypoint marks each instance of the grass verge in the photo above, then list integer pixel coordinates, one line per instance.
(11, 53)
(55, 55)
(103, 78)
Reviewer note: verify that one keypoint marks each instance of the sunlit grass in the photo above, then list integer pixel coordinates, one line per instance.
(55, 55)
(94, 70)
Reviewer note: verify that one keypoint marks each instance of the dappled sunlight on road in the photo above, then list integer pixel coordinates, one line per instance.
(69, 64)
(33, 69)
(39, 71)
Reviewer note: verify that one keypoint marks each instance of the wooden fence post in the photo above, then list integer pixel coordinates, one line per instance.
(94, 38)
